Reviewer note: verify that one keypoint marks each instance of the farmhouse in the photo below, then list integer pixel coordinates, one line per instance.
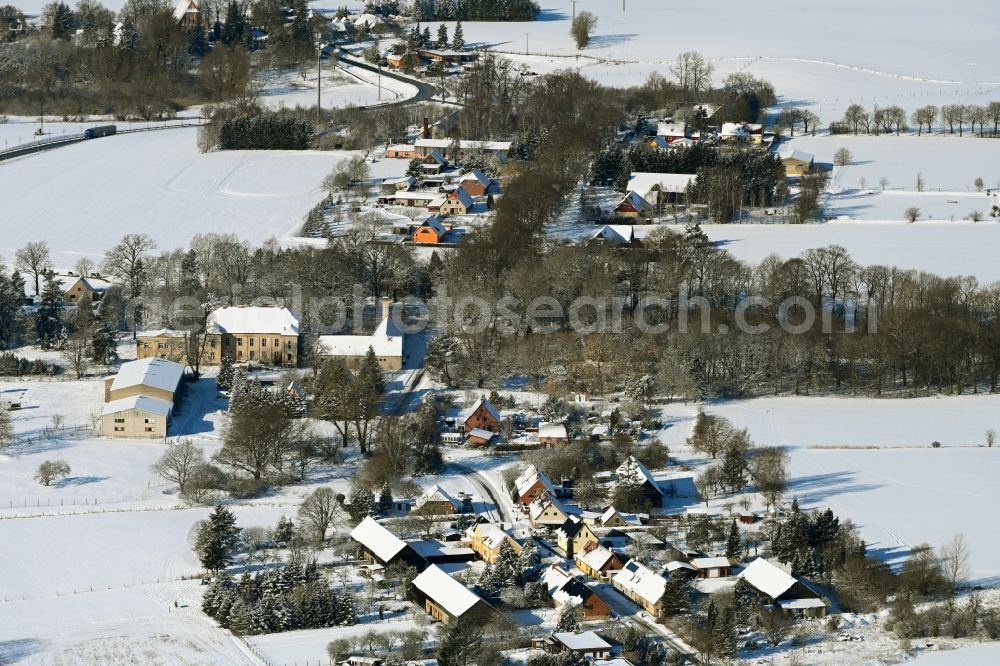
(566, 590)
(387, 341)
(642, 585)
(530, 485)
(615, 234)
(482, 415)
(430, 232)
(658, 189)
(380, 546)
(428, 200)
(742, 133)
(445, 599)
(551, 434)
(547, 511)
(479, 437)
(632, 205)
(712, 567)
(459, 203)
(498, 149)
(448, 56)
(797, 162)
(140, 398)
(77, 288)
(404, 151)
(634, 472)
(475, 183)
(583, 643)
(437, 501)
(573, 535)
(487, 538)
(597, 561)
(401, 184)
(781, 588)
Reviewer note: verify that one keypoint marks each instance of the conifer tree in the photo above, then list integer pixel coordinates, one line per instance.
(458, 40)
(442, 38)
(734, 544)
(216, 539)
(676, 595)
(385, 500)
(224, 380)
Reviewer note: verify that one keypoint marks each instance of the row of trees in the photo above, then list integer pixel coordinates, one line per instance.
(470, 10)
(889, 119)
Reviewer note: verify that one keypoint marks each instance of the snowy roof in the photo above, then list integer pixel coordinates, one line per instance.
(437, 494)
(641, 580)
(413, 196)
(380, 541)
(710, 562)
(571, 527)
(554, 578)
(538, 507)
(644, 183)
(800, 155)
(769, 578)
(386, 340)
(401, 147)
(671, 129)
(618, 233)
(595, 557)
(476, 175)
(583, 640)
(674, 565)
(481, 401)
(409, 180)
(434, 222)
(741, 129)
(608, 514)
(617, 661)
(156, 373)
(527, 479)
(638, 472)
(553, 430)
(635, 200)
(160, 333)
(445, 591)
(144, 403)
(492, 535)
(800, 604)
(185, 7)
(464, 144)
(464, 197)
(481, 434)
(427, 548)
(252, 319)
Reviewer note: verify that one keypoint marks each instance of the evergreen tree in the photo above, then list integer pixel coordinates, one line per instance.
(734, 465)
(11, 300)
(284, 531)
(385, 500)
(461, 644)
(224, 380)
(745, 602)
(724, 633)
(6, 428)
(48, 321)
(734, 544)
(361, 503)
(414, 169)
(103, 346)
(345, 613)
(234, 29)
(216, 539)
(369, 385)
(677, 595)
(458, 40)
(569, 618)
(442, 38)
(425, 38)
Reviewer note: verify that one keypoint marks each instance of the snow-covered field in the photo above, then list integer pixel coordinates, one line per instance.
(344, 86)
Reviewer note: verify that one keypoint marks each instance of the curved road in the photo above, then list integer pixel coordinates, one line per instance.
(425, 91)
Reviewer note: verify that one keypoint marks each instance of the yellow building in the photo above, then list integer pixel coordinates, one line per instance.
(140, 398)
(487, 538)
(387, 341)
(797, 162)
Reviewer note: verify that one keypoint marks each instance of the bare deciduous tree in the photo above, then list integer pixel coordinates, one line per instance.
(693, 72)
(582, 27)
(318, 512)
(954, 557)
(34, 259)
(180, 462)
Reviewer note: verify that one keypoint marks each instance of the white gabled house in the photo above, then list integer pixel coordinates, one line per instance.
(783, 589)
(446, 599)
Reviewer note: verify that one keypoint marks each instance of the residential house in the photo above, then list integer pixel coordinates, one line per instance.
(479, 437)
(475, 183)
(547, 511)
(392, 185)
(680, 568)
(566, 590)
(551, 434)
(612, 518)
(402, 151)
(387, 341)
(487, 538)
(633, 471)
(642, 585)
(530, 485)
(166, 343)
(140, 398)
(188, 14)
(77, 288)
(459, 203)
(712, 567)
(430, 232)
(797, 162)
(671, 132)
(482, 415)
(583, 643)
(659, 189)
(615, 234)
(573, 535)
(421, 199)
(498, 149)
(448, 56)
(445, 599)
(437, 501)
(752, 133)
(380, 546)
(597, 561)
(632, 205)
(779, 587)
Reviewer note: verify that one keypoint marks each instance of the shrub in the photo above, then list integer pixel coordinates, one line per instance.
(51, 470)
(268, 131)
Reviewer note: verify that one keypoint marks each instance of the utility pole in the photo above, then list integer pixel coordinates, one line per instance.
(526, 43)
(574, 9)
(319, 79)
(379, 62)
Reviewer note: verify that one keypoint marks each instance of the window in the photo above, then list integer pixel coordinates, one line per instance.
(211, 343)
(150, 420)
(288, 344)
(277, 342)
(211, 356)
(161, 345)
(253, 355)
(263, 342)
(288, 357)
(119, 429)
(119, 420)
(149, 429)
(239, 342)
(251, 342)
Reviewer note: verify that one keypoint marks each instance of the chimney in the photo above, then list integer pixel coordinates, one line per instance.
(385, 308)
(426, 133)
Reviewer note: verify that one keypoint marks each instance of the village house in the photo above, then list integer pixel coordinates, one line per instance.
(266, 335)
(612, 518)
(437, 501)
(387, 341)
(482, 415)
(779, 587)
(633, 471)
(583, 643)
(475, 183)
(797, 162)
(660, 189)
(479, 437)
(77, 288)
(642, 585)
(402, 151)
(459, 202)
(597, 561)
(672, 132)
(447, 600)
(498, 149)
(547, 511)
(614, 234)
(433, 164)
(188, 14)
(680, 568)
(431, 201)
(487, 538)
(573, 535)
(378, 545)
(632, 205)
(140, 398)
(530, 485)
(566, 590)
(392, 185)
(448, 56)
(430, 232)
(712, 567)
(551, 434)
(752, 133)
